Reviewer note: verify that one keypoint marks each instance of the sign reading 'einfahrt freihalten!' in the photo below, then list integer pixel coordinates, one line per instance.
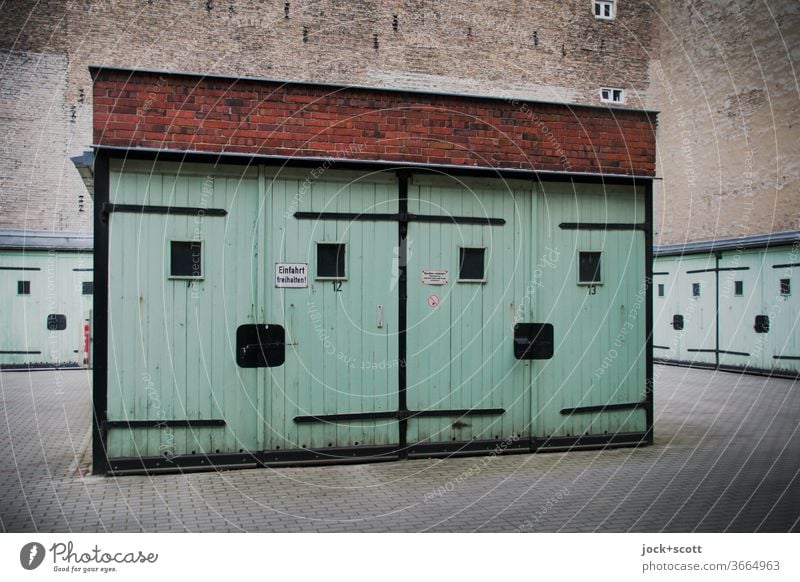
(292, 275)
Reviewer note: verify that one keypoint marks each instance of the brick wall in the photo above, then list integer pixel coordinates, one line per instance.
(729, 134)
(720, 70)
(550, 50)
(39, 187)
(198, 113)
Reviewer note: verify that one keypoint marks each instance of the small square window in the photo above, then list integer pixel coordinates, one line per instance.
(604, 9)
(786, 287)
(56, 322)
(23, 287)
(738, 288)
(330, 261)
(471, 264)
(589, 267)
(612, 95)
(87, 288)
(186, 259)
(661, 289)
(695, 289)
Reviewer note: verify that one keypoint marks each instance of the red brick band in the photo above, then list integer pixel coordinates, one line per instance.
(192, 113)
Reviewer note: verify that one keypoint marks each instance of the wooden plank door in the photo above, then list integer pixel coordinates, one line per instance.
(466, 285)
(339, 384)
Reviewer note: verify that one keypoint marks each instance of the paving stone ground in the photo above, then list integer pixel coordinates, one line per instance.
(726, 458)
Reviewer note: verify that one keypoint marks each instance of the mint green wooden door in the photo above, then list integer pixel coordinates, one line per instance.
(341, 331)
(462, 376)
(176, 385)
(699, 287)
(667, 331)
(172, 339)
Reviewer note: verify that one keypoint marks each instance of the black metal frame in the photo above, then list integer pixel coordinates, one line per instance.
(603, 226)
(103, 465)
(399, 217)
(370, 454)
(743, 369)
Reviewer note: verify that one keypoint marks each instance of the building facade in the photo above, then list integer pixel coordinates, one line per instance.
(721, 73)
(383, 281)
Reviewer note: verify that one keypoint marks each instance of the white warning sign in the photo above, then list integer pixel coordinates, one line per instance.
(434, 276)
(291, 275)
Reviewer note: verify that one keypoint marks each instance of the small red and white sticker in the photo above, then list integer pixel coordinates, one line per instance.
(433, 301)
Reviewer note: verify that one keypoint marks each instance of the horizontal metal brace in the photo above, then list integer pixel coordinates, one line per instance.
(399, 217)
(176, 210)
(713, 351)
(20, 268)
(398, 414)
(605, 407)
(786, 266)
(713, 269)
(603, 226)
(186, 423)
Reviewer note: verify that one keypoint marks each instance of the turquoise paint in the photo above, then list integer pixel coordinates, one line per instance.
(739, 344)
(55, 288)
(172, 342)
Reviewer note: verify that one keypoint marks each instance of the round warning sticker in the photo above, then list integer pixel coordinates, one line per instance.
(433, 300)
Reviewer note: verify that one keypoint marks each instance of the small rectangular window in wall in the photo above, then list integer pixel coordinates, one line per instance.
(604, 9)
(56, 322)
(612, 95)
(87, 288)
(786, 287)
(661, 289)
(186, 259)
(331, 261)
(738, 288)
(23, 287)
(589, 268)
(695, 289)
(471, 264)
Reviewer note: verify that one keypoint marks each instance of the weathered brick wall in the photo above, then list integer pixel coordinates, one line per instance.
(39, 187)
(729, 128)
(181, 112)
(550, 50)
(719, 71)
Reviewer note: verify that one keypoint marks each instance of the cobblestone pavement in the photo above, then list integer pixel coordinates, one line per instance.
(726, 458)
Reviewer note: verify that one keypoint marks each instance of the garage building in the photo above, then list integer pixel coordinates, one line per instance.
(46, 288)
(730, 304)
(293, 272)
